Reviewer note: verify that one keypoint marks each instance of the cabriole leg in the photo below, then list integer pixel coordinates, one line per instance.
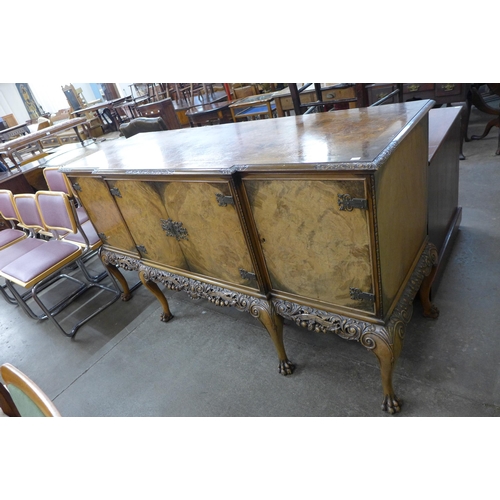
(166, 315)
(274, 326)
(115, 272)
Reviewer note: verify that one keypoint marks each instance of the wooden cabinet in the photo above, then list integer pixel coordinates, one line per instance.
(377, 91)
(329, 93)
(442, 93)
(320, 219)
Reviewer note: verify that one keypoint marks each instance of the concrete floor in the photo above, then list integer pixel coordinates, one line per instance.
(210, 361)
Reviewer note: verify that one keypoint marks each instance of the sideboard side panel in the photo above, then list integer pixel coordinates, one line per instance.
(401, 197)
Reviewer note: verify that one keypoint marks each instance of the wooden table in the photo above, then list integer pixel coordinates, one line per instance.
(106, 107)
(329, 92)
(11, 132)
(130, 106)
(181, 106)
(215, 112)
(11, 148)
(320, 219)
(253, 105)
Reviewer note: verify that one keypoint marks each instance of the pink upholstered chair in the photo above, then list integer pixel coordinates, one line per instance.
(41, 266)
(7, 210)
(10, 236)
(57, 181)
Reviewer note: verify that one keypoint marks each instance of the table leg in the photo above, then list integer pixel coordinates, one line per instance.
(78, 135)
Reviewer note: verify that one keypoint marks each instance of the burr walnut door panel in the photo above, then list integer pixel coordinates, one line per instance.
(104, 214)
(208, 230)
(143, 209)
(182, 225)
(311, 247)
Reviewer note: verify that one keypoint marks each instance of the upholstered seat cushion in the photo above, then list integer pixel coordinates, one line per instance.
(9, 236)
(82, 214)
(33, 266)
(18, 250)
(89, 230)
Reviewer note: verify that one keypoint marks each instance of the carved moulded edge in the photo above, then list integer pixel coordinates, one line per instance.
(194, 288)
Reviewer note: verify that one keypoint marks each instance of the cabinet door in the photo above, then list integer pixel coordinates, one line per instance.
(209, 232)
(103, 212)
(313, 248)
(143, 209)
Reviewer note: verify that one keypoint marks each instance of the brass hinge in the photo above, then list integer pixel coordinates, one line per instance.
(174, 229)
(115, 192)
(141, 248)
(77, 186)
(224, 201)
(357, 294)
(102, 236)
(348, 203)
(247, 275)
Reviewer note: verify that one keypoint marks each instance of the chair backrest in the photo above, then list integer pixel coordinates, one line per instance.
(7, 404)
(56, 211)
(7, 205)
(29, 215)
(163, 108)
(246, 91)
(143, 124)
(56, 180)
(29, 399)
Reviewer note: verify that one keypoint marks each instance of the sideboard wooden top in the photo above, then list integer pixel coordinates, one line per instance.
(353, 139)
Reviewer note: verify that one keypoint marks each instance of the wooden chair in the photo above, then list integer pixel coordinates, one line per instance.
(245, 91)
(24, 397)
(164, 109)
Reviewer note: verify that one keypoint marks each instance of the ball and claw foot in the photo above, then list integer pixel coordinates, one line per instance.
(391, 404)
(286, 368)
(166, 317)
(126, 297)
(431, 312)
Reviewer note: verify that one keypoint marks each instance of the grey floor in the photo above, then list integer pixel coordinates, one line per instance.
(211, 361)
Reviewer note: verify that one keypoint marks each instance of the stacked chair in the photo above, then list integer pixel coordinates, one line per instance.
(54, 241)
(57, 181)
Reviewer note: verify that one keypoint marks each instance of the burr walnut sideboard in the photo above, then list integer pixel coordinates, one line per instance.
(320, 219)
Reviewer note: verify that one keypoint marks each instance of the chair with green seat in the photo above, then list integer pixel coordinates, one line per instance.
(28, 399)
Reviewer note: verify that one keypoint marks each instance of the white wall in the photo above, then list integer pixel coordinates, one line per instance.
(12, 103)
(49, 95)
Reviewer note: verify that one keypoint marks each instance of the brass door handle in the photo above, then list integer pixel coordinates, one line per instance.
(448, 87)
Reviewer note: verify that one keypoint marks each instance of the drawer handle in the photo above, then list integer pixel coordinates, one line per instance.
(413, 88)
(448, 87)
(330, 96)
